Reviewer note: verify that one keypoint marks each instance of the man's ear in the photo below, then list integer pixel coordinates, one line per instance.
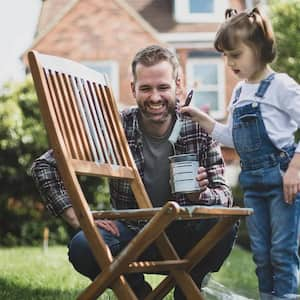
(133, 89)
(180, 90)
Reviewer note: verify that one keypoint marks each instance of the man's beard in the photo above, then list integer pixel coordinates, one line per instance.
(149, 116)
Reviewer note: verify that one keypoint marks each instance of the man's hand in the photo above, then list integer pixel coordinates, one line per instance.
(203, 183)
(109, 226)
(202, 178)
(70, 217)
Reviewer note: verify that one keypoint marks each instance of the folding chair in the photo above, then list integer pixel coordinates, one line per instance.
(87, 137)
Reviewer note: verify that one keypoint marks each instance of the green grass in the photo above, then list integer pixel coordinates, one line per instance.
(238, 274)
(28, 273)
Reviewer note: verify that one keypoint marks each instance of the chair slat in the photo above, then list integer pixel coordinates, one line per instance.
(81, 136)
(156, 266)
(112, 110)
(68, 116)
(93, 169)
(109, 124)
(78, 96)
(101, 127)
(55, 94)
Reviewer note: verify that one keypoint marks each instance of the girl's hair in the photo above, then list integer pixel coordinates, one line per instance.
(252, 28)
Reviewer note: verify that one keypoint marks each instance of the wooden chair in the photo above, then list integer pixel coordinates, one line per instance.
(87, 137)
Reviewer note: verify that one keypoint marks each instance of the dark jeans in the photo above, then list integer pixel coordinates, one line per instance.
(183, 235)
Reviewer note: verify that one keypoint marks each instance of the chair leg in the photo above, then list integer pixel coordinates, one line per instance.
(195, 255)
(120, 287)
(120, 263)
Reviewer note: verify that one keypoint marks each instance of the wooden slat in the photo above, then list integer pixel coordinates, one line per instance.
(157, 266)
(95, 169)
(50, 78)
(188, 212)
(76, 87)
(108, 123)
(68, 115)
(114, 122)
(76, 123)
(101, 126)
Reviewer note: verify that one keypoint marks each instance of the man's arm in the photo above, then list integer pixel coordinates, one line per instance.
(48, 181)
(217, 191)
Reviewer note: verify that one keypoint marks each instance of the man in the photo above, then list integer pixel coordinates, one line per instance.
(155, 86)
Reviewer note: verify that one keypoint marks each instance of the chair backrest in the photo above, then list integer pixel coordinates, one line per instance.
(85, 130)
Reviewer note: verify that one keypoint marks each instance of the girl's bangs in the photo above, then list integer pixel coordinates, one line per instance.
(227, 39)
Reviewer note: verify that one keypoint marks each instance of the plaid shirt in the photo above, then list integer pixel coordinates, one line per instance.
(192, 139)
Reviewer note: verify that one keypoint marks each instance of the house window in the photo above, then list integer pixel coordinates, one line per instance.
(110, 68)
(206, 76)
(200, 11)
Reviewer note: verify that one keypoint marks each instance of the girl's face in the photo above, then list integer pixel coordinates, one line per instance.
(244, 62)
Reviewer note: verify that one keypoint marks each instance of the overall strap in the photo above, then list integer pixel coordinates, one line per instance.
(237, 95)
(263, 86)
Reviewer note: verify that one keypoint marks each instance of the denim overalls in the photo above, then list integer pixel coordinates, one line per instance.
(273, 228)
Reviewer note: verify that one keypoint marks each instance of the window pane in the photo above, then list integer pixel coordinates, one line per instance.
(201, 6)
(206, 98)
(206, 73)
(103, 68)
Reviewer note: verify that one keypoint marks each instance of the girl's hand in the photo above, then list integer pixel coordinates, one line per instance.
(204, 120)
(109, 226)
(291, 180)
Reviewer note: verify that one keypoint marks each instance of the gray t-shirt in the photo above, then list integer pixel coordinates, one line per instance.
(157, 170)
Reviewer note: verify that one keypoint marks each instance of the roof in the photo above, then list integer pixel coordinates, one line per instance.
(54, 10)
(159, 13)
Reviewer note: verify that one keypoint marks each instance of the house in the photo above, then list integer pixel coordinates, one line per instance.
(105, 35)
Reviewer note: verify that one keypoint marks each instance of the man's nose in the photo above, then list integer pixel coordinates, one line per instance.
(155, 96)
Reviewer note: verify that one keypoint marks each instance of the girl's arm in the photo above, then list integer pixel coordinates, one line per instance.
(291, 179)
(289, 99)
(205, 121)
(220, 132)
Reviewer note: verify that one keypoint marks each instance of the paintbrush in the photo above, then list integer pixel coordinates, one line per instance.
(178, 124)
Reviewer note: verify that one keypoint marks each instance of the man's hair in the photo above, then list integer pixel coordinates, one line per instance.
(252, 28)
(153, 55)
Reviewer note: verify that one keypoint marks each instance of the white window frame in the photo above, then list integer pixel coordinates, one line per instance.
(219, 87)
(183, 14)
(114, 80)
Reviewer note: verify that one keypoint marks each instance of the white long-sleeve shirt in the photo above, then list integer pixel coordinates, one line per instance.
(280, 109)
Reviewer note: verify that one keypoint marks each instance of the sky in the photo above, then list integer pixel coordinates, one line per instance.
(18, 20)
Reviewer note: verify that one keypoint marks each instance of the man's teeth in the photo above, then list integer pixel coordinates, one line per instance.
(156, 106)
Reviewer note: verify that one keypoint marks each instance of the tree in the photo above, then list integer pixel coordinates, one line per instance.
(285, 16)
(22, 139)
(285, 20)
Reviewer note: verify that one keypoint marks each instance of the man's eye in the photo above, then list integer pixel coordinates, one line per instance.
(164, 87)
(144, 89)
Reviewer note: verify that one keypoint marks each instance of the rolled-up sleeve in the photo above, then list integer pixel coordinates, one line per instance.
(218, 192)
(49, 183)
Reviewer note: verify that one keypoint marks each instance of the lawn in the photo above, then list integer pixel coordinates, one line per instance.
(28, 273)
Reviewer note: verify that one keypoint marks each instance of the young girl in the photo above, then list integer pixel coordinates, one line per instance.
(264, 113)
